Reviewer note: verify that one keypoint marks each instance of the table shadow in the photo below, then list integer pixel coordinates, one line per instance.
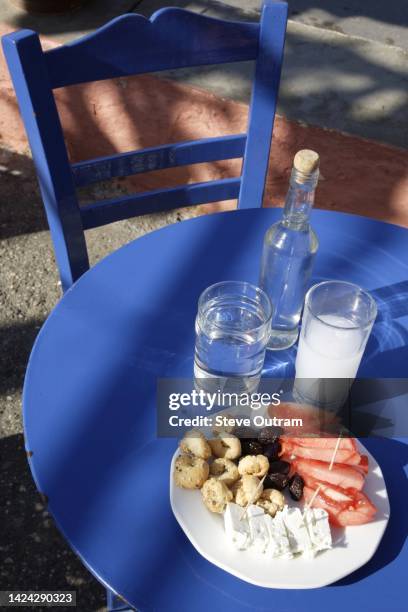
(392, 456)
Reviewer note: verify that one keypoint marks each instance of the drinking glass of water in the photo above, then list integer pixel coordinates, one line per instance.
(232, 331)
(336, 323)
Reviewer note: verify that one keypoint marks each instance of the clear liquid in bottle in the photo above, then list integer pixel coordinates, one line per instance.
(290, 247)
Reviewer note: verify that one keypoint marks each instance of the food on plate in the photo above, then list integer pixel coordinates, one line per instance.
(257, 528)
(267, 506)
(267, 435)
(363, 465)
(290, 532)
(236, 528)
(253, 465)
(278, 475)
(276, 481)
(243, 477)
(338, 474)
(334, 468)
(271, 501)
(190, 472)
(194, 443)
(250, 446)
(322, 449)
(247, 490)
(237, 470)
(272, 450)
(344, 506)
(281, 467)
(225, 445)
(317, 521)
(308, 532)
(275, 497)
(216, 495)
(295, 488)
(298, 534)
(224, 470)
(279, 545)
(244, 432)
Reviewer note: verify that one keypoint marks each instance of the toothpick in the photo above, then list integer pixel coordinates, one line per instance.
(252, 498)
(336, 448)
(308, 505)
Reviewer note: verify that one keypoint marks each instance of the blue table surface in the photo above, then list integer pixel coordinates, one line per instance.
(90, 407)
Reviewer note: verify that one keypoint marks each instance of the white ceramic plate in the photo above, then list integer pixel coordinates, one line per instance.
(352, 546)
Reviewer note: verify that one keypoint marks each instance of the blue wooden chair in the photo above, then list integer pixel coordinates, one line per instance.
(128, 45)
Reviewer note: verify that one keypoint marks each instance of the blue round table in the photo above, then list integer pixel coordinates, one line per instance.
(90, 407)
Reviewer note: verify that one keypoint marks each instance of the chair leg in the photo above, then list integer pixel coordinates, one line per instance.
(115, 604)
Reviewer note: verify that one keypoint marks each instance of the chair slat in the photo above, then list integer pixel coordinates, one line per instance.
(263, 103)
(108, 211)
(132, 44)
(158, 158)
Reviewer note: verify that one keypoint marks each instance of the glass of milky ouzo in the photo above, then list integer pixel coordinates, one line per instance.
(336, 323)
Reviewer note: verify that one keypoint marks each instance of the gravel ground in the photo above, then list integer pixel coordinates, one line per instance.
(33, 555)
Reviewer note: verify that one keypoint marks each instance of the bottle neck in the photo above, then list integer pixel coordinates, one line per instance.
(299, 199)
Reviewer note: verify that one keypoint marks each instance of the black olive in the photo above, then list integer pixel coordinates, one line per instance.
(245, 432)
(249, 446)
(296, 487)
(271, 450)
(269, 434)
(281, 467)
(276, 481)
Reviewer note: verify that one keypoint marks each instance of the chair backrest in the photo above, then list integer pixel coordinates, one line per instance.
(129, 45)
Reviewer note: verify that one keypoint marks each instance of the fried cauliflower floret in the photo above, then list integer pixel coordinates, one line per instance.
(194, 443)
(224, 470)
(271, 501)
(216, 495)
(247, 490)
(253, 465)
(225, 446)
(190, 472)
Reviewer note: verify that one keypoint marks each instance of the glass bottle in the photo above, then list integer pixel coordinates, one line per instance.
(289, 250)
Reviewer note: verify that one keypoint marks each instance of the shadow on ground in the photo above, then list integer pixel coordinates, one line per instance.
(16, 341)
(21, 208)
(34, 554)
(92, 15)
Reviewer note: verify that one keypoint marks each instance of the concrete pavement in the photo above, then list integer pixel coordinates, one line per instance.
(358, 52)
(359, 84)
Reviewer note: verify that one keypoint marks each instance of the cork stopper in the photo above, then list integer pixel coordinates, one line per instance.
(306, 162)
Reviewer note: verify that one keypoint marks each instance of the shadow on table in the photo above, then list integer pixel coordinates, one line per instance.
(387, 348)
(392, 300)
(392, 457)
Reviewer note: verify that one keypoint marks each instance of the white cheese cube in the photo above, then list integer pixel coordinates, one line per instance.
(278, 538)
(317, 521)
(258, 528)
(298, 532)
(237, 531)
